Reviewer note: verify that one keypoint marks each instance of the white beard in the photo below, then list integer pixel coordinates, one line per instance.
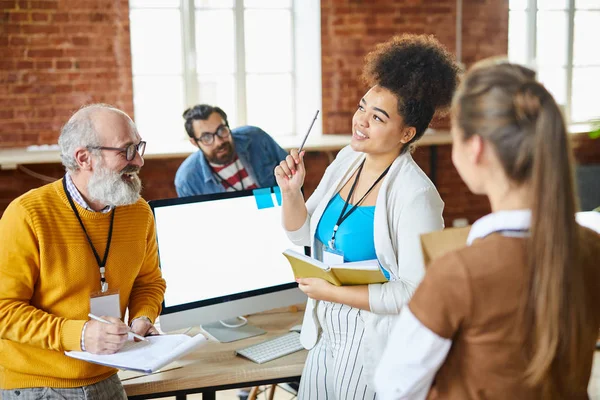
(108, 187)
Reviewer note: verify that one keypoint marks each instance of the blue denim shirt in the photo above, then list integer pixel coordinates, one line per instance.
(257, 151)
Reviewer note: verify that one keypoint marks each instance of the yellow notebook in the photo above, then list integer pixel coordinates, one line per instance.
(352, 273)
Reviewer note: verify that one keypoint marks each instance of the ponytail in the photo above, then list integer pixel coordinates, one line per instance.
(556, 307)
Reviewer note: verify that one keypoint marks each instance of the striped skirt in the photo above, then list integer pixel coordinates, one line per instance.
(334, 367)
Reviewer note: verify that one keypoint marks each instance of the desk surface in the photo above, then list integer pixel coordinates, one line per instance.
(215, 366)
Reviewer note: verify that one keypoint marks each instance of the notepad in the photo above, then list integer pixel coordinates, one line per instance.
(346, 274)
(437, 243)
(589, 219)
(147, 356)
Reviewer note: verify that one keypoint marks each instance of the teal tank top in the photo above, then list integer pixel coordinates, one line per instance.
(354, 236)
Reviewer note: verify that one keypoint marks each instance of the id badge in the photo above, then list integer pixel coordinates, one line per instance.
(106, 304)
(333, 256)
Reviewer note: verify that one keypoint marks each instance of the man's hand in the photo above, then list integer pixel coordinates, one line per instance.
(143, 327)
(101, 338)
(317, 288)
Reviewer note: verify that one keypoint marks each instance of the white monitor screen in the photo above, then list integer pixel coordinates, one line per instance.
(219, 247)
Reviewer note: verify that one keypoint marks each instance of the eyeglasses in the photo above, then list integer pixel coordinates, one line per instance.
(129, 150)
(208, 138)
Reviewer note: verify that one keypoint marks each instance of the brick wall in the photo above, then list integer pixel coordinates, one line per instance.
(351, 28)
(485, 29)
(56, 55)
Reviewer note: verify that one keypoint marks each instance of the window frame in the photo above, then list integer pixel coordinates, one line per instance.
(531, 12)
(306, 76)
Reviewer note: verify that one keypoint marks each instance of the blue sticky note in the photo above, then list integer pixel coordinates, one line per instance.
(277, 192)
(263, 198)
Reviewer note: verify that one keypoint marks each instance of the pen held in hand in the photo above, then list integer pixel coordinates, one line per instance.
(309, 129)
(94, 317)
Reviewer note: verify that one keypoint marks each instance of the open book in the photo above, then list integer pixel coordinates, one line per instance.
(147, 356)
(351, 273)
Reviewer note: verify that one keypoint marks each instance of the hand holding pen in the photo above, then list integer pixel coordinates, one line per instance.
(132, 333)
(290, 172)
(105, 335)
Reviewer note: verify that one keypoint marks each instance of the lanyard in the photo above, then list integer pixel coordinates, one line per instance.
(101, 263)
(343, 216)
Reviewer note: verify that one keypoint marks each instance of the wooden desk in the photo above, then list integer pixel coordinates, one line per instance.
(215, 367)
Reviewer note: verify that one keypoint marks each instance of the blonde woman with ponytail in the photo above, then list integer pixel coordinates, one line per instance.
(515, 314)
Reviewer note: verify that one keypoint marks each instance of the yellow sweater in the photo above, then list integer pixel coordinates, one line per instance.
(47, 274)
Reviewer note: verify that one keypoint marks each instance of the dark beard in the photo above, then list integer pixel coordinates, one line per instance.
(223, 159)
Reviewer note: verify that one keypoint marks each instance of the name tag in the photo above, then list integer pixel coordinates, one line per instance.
(106, 304)
(332, 256)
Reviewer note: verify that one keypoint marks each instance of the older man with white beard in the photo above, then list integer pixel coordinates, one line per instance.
(85, 243)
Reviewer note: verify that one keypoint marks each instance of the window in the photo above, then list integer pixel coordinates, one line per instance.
(259, 60)
(559, 39)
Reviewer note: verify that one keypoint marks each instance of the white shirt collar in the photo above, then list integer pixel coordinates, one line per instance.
(509, 220)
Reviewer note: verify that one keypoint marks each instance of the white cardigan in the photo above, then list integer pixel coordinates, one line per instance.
(407, 206)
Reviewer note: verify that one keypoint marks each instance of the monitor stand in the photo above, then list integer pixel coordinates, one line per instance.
(231, 330)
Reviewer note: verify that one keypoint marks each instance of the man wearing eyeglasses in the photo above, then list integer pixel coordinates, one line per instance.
(84, 244)
(228, 160)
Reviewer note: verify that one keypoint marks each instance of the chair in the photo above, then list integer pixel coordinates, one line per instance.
(255, 391)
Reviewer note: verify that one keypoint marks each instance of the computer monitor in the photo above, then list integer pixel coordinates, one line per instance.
(220, 255)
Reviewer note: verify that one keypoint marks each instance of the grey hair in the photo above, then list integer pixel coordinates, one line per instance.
(80, 131)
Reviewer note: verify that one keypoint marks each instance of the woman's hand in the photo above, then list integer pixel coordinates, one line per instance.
(290, 173)
(317, 288)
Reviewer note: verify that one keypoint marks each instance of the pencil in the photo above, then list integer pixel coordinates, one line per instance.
(309, 129)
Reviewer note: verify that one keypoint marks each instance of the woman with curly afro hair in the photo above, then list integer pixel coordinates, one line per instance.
(372, 203)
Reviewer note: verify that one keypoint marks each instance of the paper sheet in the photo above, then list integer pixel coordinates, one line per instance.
(147, 356)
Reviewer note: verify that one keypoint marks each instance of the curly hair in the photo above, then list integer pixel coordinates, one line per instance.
(419, 71)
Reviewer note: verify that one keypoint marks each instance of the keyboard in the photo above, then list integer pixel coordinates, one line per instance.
(272, 348)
